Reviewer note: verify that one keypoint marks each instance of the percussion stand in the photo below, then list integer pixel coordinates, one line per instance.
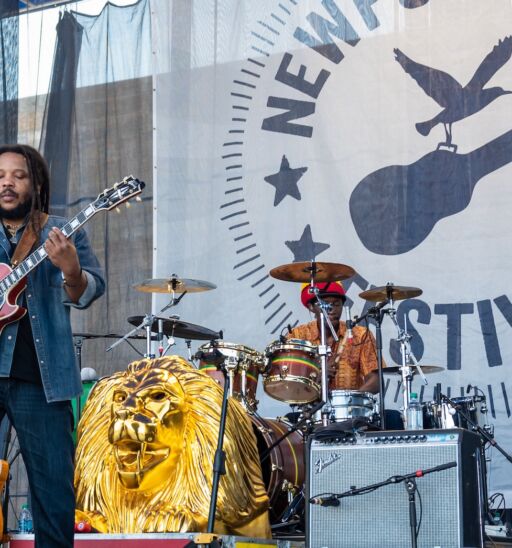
(323, 350)
(407, 357)
(377, 313)
(147, 324)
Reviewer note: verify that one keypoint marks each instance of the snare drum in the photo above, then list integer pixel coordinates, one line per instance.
(283, 467)
(444, 415)
(293, 372)
(243, 365)
(350, 404)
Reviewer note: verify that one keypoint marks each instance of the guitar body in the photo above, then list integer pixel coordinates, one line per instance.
(9, 311)
(4, 474)
(394, 209)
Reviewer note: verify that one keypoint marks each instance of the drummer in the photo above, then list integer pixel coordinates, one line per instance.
(352, 364)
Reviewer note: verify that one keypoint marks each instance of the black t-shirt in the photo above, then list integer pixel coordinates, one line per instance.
(25, 365)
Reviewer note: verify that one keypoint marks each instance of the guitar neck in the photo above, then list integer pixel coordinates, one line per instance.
(39, 255)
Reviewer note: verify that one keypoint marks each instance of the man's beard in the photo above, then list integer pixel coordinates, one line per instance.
(19, 212)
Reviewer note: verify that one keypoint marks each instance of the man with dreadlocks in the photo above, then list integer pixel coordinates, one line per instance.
(38, 372)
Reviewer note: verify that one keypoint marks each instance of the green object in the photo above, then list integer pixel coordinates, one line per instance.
(414, 396)
(87, 387)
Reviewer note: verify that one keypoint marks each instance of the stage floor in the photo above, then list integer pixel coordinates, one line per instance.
(181, 540)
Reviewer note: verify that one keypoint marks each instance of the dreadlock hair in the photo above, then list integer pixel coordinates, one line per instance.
(40, 178)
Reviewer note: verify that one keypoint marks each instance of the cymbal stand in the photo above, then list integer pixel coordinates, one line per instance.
(377, 313)
(408, 361)
(323, 350)
(147, 323)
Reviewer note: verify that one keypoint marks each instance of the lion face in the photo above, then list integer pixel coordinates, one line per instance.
(147, 422)
(147, 439)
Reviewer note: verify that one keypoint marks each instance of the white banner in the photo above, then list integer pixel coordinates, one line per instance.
(347, 131)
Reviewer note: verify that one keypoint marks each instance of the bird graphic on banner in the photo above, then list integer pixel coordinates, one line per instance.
(458, 101)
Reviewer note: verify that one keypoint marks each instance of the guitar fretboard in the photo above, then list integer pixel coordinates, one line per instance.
(38, 256)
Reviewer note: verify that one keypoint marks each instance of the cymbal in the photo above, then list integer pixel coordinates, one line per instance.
(178, 285)
(427, 369)
(106, 336)
(390, 291)
(323, 272)
(177, 328)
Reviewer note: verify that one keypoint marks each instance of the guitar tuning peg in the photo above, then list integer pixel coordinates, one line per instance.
(138, 199)
(116, 185)
(128, 205)
(118, 210)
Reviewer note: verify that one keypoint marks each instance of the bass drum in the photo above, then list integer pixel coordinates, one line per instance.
(283, 466)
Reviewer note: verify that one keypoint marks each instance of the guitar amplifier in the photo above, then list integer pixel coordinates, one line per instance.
(448, 502)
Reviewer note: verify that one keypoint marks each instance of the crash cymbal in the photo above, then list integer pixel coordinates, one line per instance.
(323, 272)
(390, 291)
(178, 328)
(178, 285)
(427, 369)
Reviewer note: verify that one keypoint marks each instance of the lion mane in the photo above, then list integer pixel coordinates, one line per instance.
(180, 501)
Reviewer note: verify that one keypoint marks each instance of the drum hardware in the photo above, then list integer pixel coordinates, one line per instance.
(388, 294)
(242, 364)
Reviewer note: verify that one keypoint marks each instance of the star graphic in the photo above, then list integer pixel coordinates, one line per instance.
(305, 249)
(285, 181)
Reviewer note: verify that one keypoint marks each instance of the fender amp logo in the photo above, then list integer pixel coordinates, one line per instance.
(322, 463)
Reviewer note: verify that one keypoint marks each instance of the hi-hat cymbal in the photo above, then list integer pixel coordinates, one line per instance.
(390, 291)
(177, 328)
(321, 272)
(425, 368)
(178, 285)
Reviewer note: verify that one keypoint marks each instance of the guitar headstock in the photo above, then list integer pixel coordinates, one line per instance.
(110, 198)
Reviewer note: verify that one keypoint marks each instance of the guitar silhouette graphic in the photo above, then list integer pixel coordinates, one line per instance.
(396, 207)
(458, 102)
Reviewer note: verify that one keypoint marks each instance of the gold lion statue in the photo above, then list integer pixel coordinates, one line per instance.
(146, 445)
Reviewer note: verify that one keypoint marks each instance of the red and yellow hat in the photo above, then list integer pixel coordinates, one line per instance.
(326, 289)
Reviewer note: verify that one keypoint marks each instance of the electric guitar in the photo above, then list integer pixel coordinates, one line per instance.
(13, 280)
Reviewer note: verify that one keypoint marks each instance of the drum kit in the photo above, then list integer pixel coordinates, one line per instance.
(295, 372)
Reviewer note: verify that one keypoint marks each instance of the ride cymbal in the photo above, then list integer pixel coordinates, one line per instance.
(390, 292)
(173, 284)
(427, 369)
(177, 328)
(320, 272)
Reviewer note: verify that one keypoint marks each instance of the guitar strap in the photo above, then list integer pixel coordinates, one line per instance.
(27, 240)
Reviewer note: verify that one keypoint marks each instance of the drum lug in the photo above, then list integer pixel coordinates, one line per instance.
(288, 486)
(283, 372)
(313, 376)
(275, 467)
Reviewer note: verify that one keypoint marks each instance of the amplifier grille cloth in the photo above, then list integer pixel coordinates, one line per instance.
(382, 516)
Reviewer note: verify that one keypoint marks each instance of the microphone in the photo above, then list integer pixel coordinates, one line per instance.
(331, 500)
(289, 327)
(468, 389)
(349, 323)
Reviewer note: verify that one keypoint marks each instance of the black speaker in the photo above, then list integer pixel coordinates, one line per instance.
(448, 502)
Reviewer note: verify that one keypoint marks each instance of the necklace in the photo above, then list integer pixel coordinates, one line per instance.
(12, 228)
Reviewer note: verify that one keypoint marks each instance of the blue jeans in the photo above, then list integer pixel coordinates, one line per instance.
(44, 433)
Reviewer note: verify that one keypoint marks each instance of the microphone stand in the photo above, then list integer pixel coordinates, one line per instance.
(410, 486)
(377, 313)
(486, 435)
(219, 463)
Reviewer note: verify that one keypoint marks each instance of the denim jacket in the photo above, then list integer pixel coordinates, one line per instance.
(49, 310)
